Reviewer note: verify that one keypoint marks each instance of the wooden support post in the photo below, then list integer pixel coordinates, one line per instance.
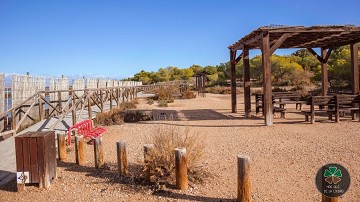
(247, 93)
(267, 104)
(355, 68)
(324, 73)
(73, 112)
(89, 107)
(79, 149)
(60, 101)
(181, 168)
(148, 160)
(101, 101)
(61, 146)
(13, 120)
(122, 158)
(244, 183)
(233, 81)
(328, 199)
(41, 109)
(111, 98)
(98, 153)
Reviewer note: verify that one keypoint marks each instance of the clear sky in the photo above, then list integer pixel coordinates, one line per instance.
(118, 38)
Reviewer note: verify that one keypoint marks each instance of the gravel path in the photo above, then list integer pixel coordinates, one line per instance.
(284, 157)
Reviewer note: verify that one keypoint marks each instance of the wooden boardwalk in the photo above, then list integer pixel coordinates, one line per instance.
(7, 147)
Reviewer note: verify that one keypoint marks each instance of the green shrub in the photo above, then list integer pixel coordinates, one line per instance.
(162, 103)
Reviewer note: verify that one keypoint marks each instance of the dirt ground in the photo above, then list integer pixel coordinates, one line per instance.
(284, 157)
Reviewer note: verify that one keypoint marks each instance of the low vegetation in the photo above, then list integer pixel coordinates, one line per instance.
(162, 161)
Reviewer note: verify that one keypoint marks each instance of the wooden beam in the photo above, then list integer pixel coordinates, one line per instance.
(328, 54)
(247, 93)
(239, 58)
(311, 43)
(324, 73)
(266, 64)
(355, 68)
(233, 81)
(280, 41)
(316, 55)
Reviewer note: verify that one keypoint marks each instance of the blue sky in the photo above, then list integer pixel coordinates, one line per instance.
(120, 38)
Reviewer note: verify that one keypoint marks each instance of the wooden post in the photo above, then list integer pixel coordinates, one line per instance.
(41, 109)
(89, 107)
(244, 183)
(328, 199)
(98, 152)
(148, 160)
(60, 100)
(73, 112)
(247, 93)
(181, 168)
(233, 81)
(355, 67)
(324, 73)
(61, 146)
(111, 98)
(101, 101)
(79, 149)
(267, 104)
(122, 158)
(13, 120)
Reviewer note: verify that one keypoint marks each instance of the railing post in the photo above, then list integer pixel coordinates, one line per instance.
(13, 120)
(60, 100)
(79, 149)
(181, 168)
(244, 184)
(101, 101)
(73, 112)
(89, 107)
(98, 152)
(111, 100)
(40, 103)
(328, 199)
(122, 157)
(61, 146)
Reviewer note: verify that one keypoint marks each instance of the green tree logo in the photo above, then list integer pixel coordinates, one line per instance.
(333, 175)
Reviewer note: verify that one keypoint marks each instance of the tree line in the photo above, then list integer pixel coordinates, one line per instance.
(299, 69)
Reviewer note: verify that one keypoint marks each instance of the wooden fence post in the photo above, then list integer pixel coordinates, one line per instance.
(98, 152)
(181, 168)
(79, 149)
(328, 199)
(121, 157)
(147, 160)
(89, 107)
(61, 146)
(244, 184)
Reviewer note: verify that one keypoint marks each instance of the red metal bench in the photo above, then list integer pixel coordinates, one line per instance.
(86, 129)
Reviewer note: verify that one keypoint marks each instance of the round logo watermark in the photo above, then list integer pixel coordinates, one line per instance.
(332, 180)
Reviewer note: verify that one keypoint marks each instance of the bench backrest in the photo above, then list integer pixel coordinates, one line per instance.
(319, 100)
(83, 127)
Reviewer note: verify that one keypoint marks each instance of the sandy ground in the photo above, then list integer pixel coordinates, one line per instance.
(284, 157)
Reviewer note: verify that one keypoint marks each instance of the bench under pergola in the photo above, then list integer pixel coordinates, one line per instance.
(270, 38)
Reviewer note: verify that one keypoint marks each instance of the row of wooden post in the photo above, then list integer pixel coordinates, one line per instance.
(180, 157)
(243, 161)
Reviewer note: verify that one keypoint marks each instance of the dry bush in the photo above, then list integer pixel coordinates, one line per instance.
(188, 94)
(162, 103)
(112, 117)
(222, 90)
(167, 93)
(150, 101)
(162, 159)
(136, 116)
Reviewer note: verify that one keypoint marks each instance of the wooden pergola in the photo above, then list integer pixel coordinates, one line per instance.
(270, 38)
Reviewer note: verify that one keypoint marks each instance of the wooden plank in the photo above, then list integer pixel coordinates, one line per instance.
(50, 155)
(324, 73)
(233, 81)
(26, 154)
(328, 54)
(354, 68)
(267, 105)
(280, 41)
(247, 92)
(19, 154)
(34, 167)
(41, 161)
(25, 116)
(316, 55)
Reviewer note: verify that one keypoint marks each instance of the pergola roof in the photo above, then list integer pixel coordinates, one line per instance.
(301, 37)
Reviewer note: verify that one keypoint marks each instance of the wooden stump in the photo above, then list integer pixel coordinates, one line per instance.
(98, 153)
(181, 168)
(122, 158)
(244, 184)
(328, 199)
(79, 149)
(61, 146)
(148, 160)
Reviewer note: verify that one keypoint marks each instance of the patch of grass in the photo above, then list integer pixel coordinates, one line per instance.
(150, 101)
(188, 94)
(162, 103)
(162, 160)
